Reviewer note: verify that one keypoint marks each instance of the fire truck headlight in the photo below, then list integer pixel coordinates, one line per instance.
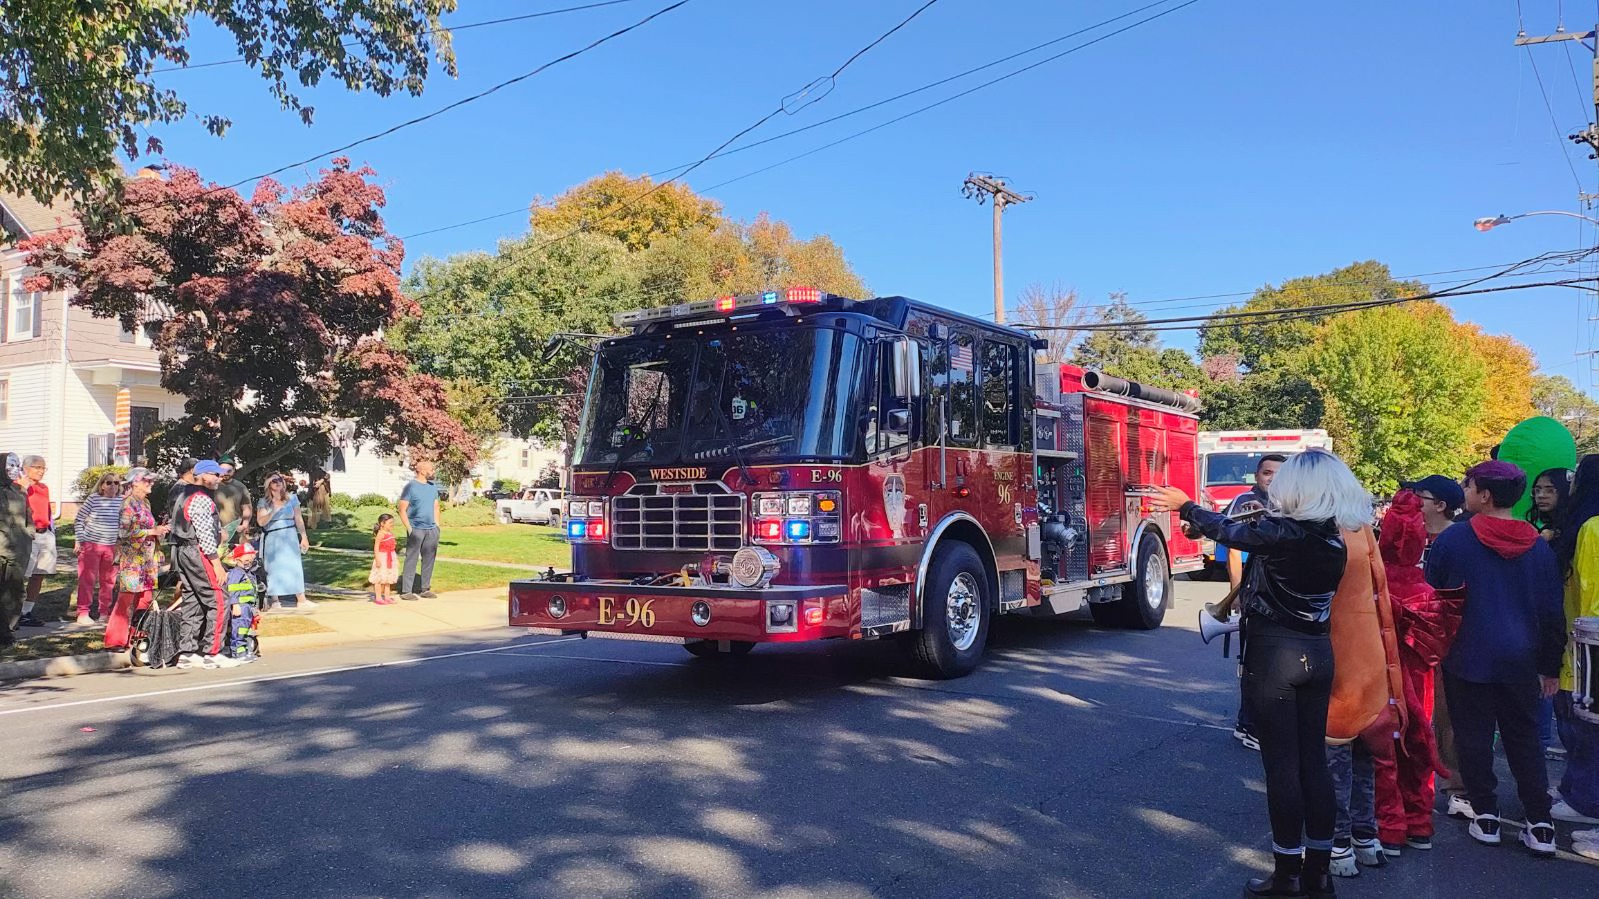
(780, 616)
(557, 607)
(700, 612)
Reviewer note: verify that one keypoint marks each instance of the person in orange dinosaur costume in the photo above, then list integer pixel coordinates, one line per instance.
(1427, 621)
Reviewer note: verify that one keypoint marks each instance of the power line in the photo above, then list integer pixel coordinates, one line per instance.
(189, 67)
(447, 107)
(683, 168)
(1559, 133)
(510, 261)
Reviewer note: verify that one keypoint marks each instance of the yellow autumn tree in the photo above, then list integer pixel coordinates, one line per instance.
(635, 211)
(1509, 380)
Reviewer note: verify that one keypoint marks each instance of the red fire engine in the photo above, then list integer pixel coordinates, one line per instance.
(797, 466)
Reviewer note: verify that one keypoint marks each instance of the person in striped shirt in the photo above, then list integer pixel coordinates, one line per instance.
(94, 536)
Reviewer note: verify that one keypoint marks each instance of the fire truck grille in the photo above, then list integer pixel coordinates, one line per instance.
(688, 522)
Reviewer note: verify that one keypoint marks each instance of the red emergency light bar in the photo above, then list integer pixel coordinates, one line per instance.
(1261, 438)
(788, 296)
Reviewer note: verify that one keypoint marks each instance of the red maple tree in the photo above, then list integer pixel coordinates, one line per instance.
(268, 313)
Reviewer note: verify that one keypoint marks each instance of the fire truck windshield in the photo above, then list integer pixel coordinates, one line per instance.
(760, 394)
(1231, 469)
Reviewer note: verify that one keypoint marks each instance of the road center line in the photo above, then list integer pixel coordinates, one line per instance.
(195, 688)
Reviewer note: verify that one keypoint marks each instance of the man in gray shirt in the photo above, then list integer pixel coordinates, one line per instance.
(419, 511)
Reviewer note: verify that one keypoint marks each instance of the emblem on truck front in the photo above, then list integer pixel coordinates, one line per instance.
(678, 474)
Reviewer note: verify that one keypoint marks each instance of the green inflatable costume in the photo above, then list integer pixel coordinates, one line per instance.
(1534, 446)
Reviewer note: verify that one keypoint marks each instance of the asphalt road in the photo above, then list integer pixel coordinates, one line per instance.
(1078, 762)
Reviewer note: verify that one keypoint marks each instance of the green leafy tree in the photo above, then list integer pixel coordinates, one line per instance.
(80, 78)
(1279, 342)
(1558, 398)
(1401, 396)
(1271, 399)
(1129, 349)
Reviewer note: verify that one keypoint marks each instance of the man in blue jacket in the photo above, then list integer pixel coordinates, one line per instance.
(1507, 653)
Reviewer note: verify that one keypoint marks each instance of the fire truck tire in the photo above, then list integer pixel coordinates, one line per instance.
(710, 649)
(955, 613)
(1143, 602)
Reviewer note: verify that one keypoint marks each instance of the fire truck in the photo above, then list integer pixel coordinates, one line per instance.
(1228, 460)
(795, 466)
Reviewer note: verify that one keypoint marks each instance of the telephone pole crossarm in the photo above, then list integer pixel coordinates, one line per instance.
(983, 188)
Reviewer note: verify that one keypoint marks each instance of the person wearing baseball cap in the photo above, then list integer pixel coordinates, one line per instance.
(196, 537)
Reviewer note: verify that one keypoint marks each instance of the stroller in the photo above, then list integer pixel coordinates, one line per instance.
(153, 635)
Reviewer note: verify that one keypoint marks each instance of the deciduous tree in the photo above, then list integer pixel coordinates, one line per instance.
(1508, 395)
(1055, 307)
(269, 313)
(1129, 349)
(1401, 398)
(79, 78)
(1558, 398)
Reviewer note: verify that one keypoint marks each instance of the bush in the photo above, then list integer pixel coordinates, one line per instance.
(467, 515)
(507, 485)
(90, 476)
(343, 501)
(372, 500)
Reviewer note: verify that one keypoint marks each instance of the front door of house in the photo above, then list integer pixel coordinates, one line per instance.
(142, 423)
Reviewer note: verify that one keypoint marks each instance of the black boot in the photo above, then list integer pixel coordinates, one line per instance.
(1318, 882)
(1284, 880)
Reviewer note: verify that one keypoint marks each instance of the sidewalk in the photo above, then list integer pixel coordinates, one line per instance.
(355, 621)
(335, 622)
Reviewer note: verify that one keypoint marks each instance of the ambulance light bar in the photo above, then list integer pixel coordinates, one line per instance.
(788, 296)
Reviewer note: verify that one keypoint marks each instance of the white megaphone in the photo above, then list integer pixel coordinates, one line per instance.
(1211, 627)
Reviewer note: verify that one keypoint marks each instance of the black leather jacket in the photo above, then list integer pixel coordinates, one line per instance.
(1294, 566)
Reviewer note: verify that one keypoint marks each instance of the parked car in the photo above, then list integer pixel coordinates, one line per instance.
(541, 505)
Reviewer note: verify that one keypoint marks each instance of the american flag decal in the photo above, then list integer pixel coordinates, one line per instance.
(960, 357)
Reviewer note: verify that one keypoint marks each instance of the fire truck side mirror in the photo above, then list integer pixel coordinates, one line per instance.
(899, 421)
(907, 370)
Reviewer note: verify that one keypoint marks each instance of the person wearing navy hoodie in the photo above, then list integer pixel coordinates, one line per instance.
(1507, 653)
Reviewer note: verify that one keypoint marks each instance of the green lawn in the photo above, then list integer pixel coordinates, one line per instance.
(536, 546)
(349, 572)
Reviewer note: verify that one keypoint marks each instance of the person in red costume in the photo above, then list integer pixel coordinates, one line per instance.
(1426, 620)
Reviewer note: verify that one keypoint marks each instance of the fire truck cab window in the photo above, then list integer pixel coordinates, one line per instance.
(999, 394)
(793, 392)
(884, 437)
(962, 390)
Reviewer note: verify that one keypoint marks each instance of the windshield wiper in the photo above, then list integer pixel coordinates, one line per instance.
(732, 442)
(626, 449)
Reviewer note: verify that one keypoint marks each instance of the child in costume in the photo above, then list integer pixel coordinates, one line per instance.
(243, 588)
(385, 566)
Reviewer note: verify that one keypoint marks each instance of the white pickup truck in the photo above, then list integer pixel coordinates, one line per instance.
(538, 505)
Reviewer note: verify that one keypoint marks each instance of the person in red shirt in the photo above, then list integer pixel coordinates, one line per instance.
(41, 514)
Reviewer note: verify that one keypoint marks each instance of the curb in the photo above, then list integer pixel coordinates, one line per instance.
(65, 666)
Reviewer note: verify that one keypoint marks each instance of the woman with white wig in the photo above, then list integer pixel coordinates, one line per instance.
(1296, 559)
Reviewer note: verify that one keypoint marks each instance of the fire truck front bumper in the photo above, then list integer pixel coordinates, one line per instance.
(620, 610)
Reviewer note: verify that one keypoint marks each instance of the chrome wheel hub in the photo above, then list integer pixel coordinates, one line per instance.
(963, 611)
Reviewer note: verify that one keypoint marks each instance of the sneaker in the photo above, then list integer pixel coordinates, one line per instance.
(1393, 850)
(30, 620)
(1343, 862)
(429, 594)
(1585, 836)
(1460, 807)
(1563, 811)
(306, 605)
(189, 660)
(223, 662)
(384, 600)
(1485, 829)
(1539, 839)
(1246, 738)
(1419, 842)
(1555, 753)
(1586, 849)
(85, 621)
(409, 597)
(1369, 852)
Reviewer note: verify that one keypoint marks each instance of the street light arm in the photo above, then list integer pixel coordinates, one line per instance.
(1490, 222)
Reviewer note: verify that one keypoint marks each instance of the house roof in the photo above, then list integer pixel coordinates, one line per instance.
(35, 217)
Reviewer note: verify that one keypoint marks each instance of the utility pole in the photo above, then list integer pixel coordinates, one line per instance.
(982, 187)
(1590, 40)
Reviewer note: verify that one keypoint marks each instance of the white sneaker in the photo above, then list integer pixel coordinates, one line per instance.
(1369, 852)
(224, 662)
(1539, 839)
(1586, 849)
(1485, 829)
(1460, 807)
(308, 605)
(1563, 811)
(1343, 862)
(85, 621)
(189, 660)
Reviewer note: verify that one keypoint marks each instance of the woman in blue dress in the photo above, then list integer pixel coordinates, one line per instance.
(283, 543)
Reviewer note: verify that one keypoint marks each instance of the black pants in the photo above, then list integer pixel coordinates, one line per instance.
(1288, 681)
(202, 608)
(1477, 710)
(12, 586)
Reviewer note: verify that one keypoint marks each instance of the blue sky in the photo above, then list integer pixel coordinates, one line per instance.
(1230, 144)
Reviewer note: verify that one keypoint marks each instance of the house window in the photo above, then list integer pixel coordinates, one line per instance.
(5, 400)
(139, 336)
(24, 322)
(527, 457)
